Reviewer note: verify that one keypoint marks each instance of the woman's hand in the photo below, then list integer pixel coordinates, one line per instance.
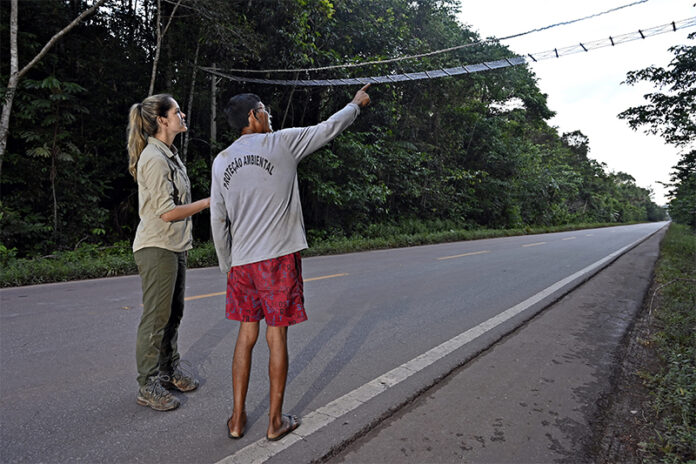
(183, 211)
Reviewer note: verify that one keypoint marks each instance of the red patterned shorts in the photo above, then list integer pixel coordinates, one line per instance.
(270, 289)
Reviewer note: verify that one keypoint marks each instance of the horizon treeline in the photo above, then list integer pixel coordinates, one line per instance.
(469, 151)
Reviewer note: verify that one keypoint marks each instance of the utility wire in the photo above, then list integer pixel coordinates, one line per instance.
(581, 47)
(437, 52)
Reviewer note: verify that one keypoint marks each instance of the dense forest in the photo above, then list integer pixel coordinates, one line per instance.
(468, 151)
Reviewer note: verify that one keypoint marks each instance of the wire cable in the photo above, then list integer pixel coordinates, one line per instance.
(581, 47)
(437, 52)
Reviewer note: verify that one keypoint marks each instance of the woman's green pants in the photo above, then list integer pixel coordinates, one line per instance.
(163, 276)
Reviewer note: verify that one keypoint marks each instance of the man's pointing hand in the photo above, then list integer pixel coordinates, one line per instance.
(362, 99)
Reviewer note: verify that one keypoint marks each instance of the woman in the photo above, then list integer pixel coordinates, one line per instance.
(160, 246)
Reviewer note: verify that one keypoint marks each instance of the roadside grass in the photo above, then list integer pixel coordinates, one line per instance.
(673, 387)
(86, 262)
(92, 261)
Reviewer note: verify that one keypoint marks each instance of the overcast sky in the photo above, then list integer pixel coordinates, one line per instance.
(585, 89)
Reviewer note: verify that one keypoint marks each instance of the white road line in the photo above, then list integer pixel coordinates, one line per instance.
(534, 244)
(262, 450)
(570, 238)
(465, 254)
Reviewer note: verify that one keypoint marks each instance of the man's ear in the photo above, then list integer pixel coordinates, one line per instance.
(253, 120)
(250, 123)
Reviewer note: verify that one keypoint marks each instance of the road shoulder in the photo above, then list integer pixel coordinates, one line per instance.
(538, 394)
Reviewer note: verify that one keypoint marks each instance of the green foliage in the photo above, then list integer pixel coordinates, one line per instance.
(202, 255)
(85, 262)
(669, 113)
(54, 202)
(472, 151)
(674, 387)
(7, 256)
(682, 205)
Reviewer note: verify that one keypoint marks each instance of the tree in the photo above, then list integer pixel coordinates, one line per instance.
(474, 150)
(52, 110)
(160, 36)
(16, 73)
(671, 113)
(682, 206)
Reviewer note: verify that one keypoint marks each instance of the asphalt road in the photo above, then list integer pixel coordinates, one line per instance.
(382, 326)
(537, 396)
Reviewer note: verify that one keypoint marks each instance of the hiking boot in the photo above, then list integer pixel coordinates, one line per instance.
(178, 379)
(154, 395)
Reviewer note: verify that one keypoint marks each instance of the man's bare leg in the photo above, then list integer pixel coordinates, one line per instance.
(277, 338)
(241, 368)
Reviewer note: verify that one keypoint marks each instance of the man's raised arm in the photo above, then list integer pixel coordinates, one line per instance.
(305, 140)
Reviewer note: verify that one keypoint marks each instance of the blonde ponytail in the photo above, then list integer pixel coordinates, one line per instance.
(137, 139)
(142, 123)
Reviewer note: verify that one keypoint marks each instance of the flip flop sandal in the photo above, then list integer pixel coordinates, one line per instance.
(293, 422)
(229, 434)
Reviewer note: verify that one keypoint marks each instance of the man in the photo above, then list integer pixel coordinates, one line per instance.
(258, 230)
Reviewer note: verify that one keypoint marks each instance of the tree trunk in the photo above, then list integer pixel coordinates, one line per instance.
(131, 20)
(12, 84)
(189, 107)
(54, 172)
(53, 191)
(158, 45)
(160, 35)
(15, 75)
(213, 112)
(168, 71)
(287, 108)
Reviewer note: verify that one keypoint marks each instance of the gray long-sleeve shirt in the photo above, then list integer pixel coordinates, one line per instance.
(255, 209)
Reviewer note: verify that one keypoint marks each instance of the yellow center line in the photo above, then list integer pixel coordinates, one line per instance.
(534, 244)
(570, 238)
(465, 254)
(208, 295)
(589, 235)
(325, 277)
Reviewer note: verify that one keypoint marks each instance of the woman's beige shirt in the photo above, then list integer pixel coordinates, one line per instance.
(162, 184)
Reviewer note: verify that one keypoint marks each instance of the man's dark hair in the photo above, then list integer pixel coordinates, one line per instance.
(237, 110)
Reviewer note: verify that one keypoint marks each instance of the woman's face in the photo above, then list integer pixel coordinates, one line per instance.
(175, 122)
